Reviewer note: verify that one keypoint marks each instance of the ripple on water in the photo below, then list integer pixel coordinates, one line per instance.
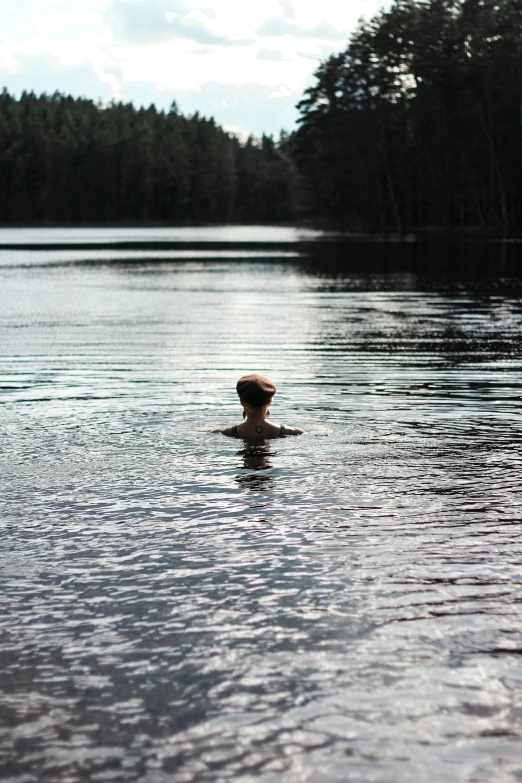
(179, 606)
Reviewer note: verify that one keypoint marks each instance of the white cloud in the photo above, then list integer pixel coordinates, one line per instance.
(45, 73)
(288, 8)
(251, 108)
(270, 54)
(319, 53)
(228, 54)
(276, 26)
(153, 21)
(142, 21)
(327, 32)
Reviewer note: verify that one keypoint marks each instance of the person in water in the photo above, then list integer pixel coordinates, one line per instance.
(255, 395)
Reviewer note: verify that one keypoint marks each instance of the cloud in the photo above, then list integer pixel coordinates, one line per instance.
(327, 32)
(288, 8)
(321, 54)
(155, 21)
(45, 73)
(249, 108)
(275, 27)
(193, 30)
(143, 21)
(270, 54)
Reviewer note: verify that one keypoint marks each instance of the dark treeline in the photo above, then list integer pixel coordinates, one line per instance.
(418, 122)
(70, 161)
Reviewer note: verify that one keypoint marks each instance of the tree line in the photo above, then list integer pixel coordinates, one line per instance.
(66, 160)
(418, 123)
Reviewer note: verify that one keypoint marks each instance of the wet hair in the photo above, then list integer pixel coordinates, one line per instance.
(256, 391)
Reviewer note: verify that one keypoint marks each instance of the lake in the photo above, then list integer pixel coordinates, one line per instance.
(180, 606)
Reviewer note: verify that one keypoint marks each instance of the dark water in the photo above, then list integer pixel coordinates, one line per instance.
(178, 606)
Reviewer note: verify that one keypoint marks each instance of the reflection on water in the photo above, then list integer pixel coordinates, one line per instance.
(181, 606)
(256, 460)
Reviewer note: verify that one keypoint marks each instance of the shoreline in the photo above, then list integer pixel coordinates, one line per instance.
(327, 229)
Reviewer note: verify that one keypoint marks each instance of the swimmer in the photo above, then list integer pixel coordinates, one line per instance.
(255, 395)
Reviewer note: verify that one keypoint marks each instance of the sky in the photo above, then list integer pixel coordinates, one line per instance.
(244, 63)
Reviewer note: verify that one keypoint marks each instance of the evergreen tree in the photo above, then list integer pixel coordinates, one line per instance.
(418, 123)
(69, 161)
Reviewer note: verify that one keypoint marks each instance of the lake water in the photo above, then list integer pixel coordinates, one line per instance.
(179, 606)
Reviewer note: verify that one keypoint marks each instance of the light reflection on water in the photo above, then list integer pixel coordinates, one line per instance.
(180, 606)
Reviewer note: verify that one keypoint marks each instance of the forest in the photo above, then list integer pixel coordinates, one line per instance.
(69, 161)
(416, 125)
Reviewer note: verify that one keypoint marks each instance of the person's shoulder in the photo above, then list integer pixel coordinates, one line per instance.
(291, 431)
(225, 431)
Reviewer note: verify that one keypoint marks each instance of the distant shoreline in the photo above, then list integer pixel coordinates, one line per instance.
(303, 244)
(331, 232)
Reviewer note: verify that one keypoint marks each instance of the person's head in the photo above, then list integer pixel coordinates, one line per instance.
(255, 393)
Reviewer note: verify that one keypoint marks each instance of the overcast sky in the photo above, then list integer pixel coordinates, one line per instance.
(245, 63)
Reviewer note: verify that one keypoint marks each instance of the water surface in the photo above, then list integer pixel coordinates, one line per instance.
(178, 606)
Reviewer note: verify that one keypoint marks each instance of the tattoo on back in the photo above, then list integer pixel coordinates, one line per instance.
(259, 428)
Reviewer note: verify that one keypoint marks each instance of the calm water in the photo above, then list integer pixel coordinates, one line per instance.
(179, 606)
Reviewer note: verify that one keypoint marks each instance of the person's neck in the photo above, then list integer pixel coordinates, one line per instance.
(252, 418)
